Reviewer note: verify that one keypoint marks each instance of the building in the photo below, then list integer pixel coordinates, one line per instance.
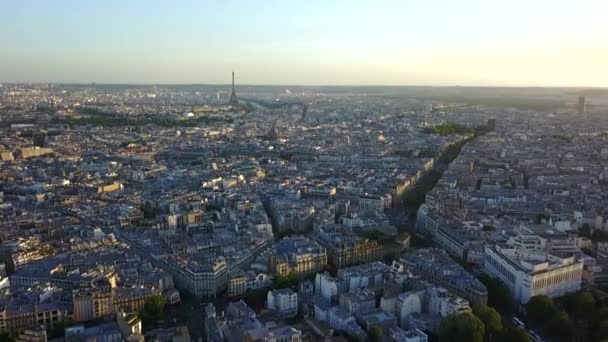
(407, 303)
(367, 275)
(339, 318)
(107, 332)
(582, 105)
(491, 124)
(33, 335)
(529, 274)
(280, 334)
(173, 334)
(345, 249)
(436, 266)
(130, 326)
(412, 335)
(297, 255)
(33, 152)
(358, 301)
(443, 303)
(237, 285)
(102, 303)
(285, 301)
(16, 254)
(110, 187)
(6, 156)
(377, 318)
(90, 304)
(17, 317)
(206, 278)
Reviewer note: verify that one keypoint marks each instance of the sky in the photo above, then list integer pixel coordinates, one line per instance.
(307, 42)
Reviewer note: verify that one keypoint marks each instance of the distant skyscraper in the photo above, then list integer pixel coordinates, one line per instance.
(582, 104)
(491, 124)
(233, 100)
(39, 138)
(304, 112)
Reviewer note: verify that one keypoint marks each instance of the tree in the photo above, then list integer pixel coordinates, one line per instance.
(281, 282)
(559, 327)
(57, 330)
(581, 305)
(348, 336)
(6, 337)
(601, 331)
(491, 320)
(461, 327)
(585, 230)
(516, 335)
(375, 333)
(155, 305)
(499, 296)
(256, 298)
(541, 309)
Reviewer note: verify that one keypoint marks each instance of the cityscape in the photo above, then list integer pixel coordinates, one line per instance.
(256, 209)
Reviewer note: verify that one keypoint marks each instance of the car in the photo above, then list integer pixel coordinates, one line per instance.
(517, 322)
(534, 336)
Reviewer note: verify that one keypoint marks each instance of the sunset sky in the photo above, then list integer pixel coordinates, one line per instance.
(317, 42)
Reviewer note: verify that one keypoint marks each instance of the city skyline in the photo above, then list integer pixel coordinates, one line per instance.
(393, 43)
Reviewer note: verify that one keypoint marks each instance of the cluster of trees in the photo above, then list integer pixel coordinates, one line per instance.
(416, 196)
(56, 331)
(595, 235)
(256, 299)
(506, 101)
(484, 324)
(563, 137)
(148, 211)
(281, 282)
(153, 308)
(499, 296)
(577, 316)
(450, 128)
(377, 235)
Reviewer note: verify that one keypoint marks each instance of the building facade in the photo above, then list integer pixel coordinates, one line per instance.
(529, 274)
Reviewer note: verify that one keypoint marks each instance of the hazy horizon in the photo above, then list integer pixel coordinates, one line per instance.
(469, 43)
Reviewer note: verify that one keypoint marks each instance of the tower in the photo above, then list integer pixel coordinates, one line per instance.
(304, 113)
(582, 105)
(233, 99)
(491, 124)
(39, 138)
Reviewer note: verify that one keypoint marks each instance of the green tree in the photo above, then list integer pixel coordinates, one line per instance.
(491, 320)
(516, 335)
(541, 309)
(375, 333)
(559, 327)
(581, 305)
(6, 337)
(461, 327)
(585, 230)
(348, 336)
(601, 330)
(155, 305)
(57, 330)
(281, 282)
(499, 296)
(256, 298)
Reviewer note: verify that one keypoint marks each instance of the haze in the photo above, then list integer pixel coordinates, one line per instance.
(469, 42)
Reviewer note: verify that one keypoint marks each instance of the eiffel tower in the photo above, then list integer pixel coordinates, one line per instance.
(233, 99)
